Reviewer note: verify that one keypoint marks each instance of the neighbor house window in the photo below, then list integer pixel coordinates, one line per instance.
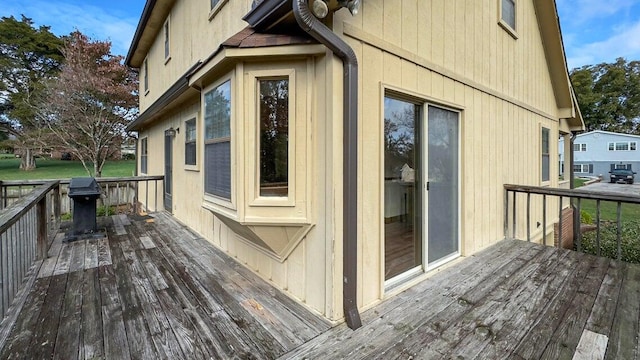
(217, 138)
(583, 168)
(579, 147)
(621, 166)
(166, 40)
(214, 3)
(274, 136)
(622, 146)
(146, 76)
(545, 154)
(143, 155)
(190, 142)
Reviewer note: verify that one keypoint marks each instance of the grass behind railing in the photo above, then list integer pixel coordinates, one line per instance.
(61, 169)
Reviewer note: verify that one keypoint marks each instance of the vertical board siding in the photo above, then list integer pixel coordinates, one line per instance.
(499, 138)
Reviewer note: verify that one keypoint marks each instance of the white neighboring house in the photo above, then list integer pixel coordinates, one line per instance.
(598, 152)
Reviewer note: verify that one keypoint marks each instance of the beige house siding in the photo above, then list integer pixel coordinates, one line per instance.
(453, 54)
(193, 37)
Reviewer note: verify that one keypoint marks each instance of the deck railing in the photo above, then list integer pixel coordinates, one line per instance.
(526, 206)
(119, 194)
(31, 214)
(25, 229)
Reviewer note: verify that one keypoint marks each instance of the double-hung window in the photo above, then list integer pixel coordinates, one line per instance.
(190, 142)
(579, 147)
(217, 139)
(545, 154)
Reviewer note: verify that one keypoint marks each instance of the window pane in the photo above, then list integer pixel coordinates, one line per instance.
(217, 177)
(584, 147)
(610, 146)
(576, 147)
(190, 153)
(274, 137)
(191, 130)
(622, 146)
(545, 154)
(143, 155)
(509, 13)
(632, 146)
(214, 3)
(217, 112)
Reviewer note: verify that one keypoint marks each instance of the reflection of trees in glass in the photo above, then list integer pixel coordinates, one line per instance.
(443, 142)
(274, 136)
(399, 136)
(218, 112)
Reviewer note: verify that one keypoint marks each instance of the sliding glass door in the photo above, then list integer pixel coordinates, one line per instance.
(421, 182)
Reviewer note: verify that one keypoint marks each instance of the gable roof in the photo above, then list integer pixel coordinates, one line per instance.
(590, 133)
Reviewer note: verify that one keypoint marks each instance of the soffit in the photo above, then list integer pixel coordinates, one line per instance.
(151, 21)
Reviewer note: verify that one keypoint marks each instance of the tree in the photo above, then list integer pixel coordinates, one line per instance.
(609, 95)
(28, 57)
(91, 101)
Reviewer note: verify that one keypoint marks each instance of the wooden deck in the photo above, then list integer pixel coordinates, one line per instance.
(154, 290)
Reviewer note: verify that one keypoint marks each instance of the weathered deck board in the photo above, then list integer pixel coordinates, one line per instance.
(158, 291)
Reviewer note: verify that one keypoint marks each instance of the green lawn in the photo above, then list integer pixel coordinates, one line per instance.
(61, 169)
(608, 209)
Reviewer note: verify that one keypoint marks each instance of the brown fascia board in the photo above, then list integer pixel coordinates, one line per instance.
(174, 92)
(549, 26)
(142, 24)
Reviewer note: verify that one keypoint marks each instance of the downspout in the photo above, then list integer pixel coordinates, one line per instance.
(327, 37)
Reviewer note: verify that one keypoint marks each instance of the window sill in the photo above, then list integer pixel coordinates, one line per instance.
(191, 168)
(508, 29)
(216, 9)
(146, 92)
(167, 59)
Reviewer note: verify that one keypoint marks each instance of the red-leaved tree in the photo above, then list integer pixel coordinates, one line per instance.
(90, 103)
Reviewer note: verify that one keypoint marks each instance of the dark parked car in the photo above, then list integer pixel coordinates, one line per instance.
(622, 176)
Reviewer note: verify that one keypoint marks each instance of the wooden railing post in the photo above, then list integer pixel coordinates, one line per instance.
(42, 241)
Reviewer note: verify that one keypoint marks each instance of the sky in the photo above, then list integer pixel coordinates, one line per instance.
(594, 31)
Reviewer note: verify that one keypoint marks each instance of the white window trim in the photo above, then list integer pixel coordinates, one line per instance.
(582, 169)
(511, 31)
(254, 180)
(195, 117)
(213, 202)
(216, 9)
(615, 143)
(580, 146)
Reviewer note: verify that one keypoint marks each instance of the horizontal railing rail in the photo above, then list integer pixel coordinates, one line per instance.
(551, 206)
(119, 194)
(25, 229)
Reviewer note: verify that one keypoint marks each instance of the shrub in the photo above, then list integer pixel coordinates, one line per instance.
(128, 156)
(585, 217)
(629, 241)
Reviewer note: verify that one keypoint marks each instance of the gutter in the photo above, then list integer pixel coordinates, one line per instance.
(327, 37)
